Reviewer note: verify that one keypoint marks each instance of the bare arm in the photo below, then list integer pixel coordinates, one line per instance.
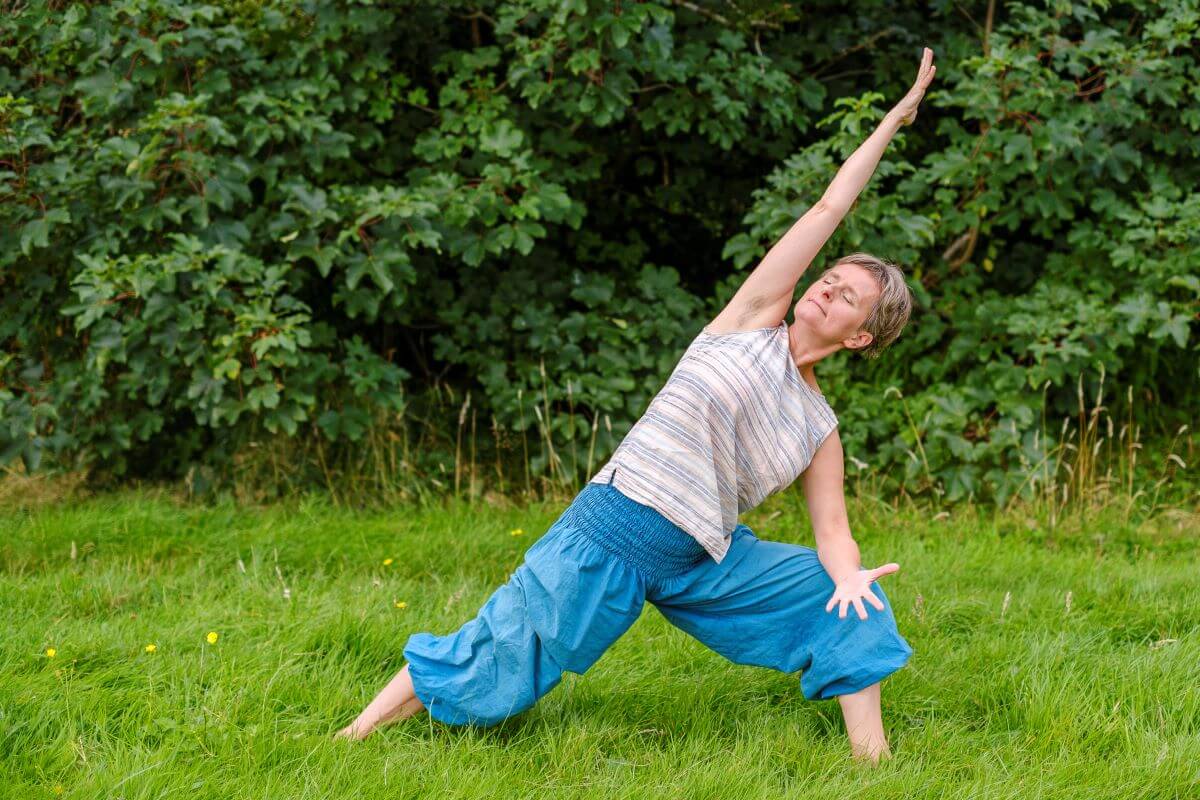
(763, 298)
(853, 175)
(859, 167)
(836, 549)
(825, 497)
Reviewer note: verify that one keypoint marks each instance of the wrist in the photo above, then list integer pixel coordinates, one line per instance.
(846, 575)
(891, 122)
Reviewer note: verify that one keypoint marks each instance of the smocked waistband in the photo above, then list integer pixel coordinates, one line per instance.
(634, 532)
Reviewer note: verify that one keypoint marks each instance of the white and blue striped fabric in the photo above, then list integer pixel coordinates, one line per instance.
(733, 424)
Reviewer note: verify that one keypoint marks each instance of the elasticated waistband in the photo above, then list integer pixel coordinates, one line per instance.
(634, 532)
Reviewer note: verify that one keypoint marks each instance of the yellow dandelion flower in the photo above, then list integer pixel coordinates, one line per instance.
(387, 562)
(400, 604)
(517, 532)
(51, 652)
(58, 788)
(150, 648)
(211, 638)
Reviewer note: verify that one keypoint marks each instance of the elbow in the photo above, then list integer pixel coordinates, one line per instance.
(827, 207)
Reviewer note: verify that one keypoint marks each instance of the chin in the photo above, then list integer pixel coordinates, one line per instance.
(806, 311)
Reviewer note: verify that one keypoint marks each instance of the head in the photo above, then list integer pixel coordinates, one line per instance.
(861, 301)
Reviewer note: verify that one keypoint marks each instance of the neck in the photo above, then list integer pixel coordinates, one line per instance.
(806, 350)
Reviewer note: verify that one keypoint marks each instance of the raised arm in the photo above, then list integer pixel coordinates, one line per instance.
(764, 297)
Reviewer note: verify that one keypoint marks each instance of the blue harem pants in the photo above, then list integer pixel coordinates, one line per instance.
(585, 582)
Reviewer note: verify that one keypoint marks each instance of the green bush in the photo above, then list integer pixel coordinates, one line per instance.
(227, 217)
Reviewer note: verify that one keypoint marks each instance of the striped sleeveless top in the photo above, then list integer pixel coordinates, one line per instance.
(733, 424)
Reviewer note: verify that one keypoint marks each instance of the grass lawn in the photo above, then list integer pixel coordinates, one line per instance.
(1013, 690)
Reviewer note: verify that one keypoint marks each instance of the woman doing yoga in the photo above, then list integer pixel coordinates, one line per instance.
(739, 418)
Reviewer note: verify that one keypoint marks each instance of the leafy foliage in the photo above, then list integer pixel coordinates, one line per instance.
(225, 217)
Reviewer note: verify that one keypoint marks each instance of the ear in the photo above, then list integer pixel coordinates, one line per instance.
(858, 341)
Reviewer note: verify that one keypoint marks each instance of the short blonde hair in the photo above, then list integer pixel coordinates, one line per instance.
(892, 309)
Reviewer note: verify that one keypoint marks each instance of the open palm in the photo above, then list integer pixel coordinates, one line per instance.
(856, 588)
(906, 109)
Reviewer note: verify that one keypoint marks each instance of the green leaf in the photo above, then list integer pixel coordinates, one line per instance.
(1176, 327)
(35, 233)
(379, 274)
(264, 395)
(229, 368)
(501, 137)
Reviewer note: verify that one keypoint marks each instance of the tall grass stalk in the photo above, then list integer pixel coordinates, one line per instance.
(1092, 463)
(462, 416)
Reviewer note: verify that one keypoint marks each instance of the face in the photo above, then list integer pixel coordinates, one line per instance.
(838, 303)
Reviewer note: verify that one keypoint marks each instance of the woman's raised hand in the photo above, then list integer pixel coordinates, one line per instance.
(906, 110)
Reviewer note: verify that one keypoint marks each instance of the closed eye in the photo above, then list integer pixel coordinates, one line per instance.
(845, 295)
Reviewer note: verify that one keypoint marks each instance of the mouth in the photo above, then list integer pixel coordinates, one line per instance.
(818, 305)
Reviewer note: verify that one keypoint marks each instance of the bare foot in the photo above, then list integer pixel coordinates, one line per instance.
(398, 700)
(871, 756)
(352, 733)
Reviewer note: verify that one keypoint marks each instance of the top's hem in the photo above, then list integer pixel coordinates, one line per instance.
(716, 552)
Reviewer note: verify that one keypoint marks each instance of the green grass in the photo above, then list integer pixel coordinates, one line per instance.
(1099, 701)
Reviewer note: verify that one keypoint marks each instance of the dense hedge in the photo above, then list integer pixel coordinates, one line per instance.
(220, 217)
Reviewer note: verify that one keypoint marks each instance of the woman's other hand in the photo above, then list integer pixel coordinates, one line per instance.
(856, 588)
(906, 110)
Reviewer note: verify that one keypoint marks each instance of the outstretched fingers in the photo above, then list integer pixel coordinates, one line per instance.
(926, 71)
(886, 569)
(843, 596)
(873, 600)
(858, 607)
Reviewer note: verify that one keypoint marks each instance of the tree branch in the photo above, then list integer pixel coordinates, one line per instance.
(870, 40)
(715, 17)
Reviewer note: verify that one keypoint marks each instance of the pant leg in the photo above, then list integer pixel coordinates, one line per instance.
(764, 605)
(561, 609)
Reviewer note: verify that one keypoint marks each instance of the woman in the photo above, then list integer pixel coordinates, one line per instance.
(740, 417)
